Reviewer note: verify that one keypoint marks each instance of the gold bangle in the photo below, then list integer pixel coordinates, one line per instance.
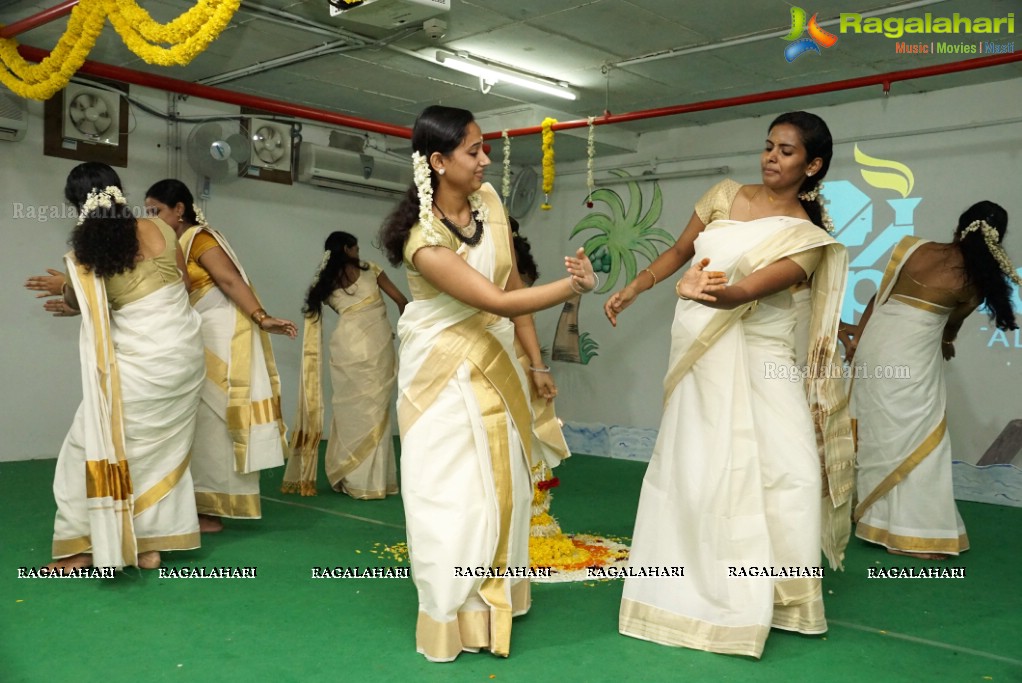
(259, 315)
(652, 275)
(677, 290)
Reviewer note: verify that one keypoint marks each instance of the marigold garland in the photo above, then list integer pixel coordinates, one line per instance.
(549, 170)
(186, 36)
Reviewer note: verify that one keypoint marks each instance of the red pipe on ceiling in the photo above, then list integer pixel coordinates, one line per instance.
(324, 116)
(884, 80)
(208, 92)
(37, 20)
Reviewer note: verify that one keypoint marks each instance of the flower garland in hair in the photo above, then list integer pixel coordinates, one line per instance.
(505, 182)
(200, 218)
(590, 153)
(422, 174)
(993, 243)
(479, 208)
(549, 169)
(101, 198)
(816, 195)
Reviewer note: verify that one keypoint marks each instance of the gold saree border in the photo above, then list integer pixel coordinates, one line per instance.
(925, 448)
(470, 630)
(646, 622)
(303, 466)
(912, 544)
(231, 505)
(160, 489)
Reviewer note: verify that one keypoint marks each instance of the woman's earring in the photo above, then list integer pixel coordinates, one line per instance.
(440, 171)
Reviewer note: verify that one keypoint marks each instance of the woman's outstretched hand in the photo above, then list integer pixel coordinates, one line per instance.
(580, 268)
(49, 285)
(618, 302)
(278, 326)
(698, 283)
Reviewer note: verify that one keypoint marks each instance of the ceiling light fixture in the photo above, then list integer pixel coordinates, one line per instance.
(490, 74)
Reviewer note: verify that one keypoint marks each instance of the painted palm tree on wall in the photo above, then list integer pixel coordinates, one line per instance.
(622, 235)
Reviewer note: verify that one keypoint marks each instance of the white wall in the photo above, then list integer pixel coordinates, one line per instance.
(278, 233)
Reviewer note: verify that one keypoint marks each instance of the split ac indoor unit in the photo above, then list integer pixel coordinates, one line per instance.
(342, 169)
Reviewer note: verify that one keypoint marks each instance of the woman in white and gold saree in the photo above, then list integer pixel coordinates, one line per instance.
(122, 484)
(734, 492)
(463, 407)
(906, 499)
(240, 429)
(363, 369)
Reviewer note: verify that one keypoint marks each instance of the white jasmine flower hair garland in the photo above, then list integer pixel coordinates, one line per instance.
(421, 173)
(97, 198)
(505, 182)
(816, 195)
(590, 153)
(200, 218)
(992, 239)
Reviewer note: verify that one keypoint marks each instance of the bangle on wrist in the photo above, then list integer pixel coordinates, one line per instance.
(579, 290)
(677, 289)
(948, 341)
(535, 369)
(259, 315)
(652, 275)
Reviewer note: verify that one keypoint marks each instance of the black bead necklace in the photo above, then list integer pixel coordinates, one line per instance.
(459, 230)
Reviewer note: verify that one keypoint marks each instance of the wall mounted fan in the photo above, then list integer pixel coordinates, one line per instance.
(91, 115)
(524, 183)
(271, 145)
(217, 154)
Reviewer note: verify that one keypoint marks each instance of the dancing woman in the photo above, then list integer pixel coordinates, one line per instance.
(733, 489)
(906, 501)
(240, 430)
(122, 484)
(463, 405)
(363, 369)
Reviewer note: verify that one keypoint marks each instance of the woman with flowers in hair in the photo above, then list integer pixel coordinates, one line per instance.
(122, 484)
(463, 402)
(240, 430)
(906, 501)
(360, 450)
(746, 459)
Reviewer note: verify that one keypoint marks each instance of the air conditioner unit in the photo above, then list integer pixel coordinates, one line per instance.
(343, 169)
(388, 13)
(13, 119)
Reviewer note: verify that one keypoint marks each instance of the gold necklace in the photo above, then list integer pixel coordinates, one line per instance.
(470, 233)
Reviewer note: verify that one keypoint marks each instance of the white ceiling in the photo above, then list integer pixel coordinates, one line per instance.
(582, 42)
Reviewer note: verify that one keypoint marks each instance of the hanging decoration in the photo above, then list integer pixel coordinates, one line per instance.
(549, 169)
(590, 153)
(505, 183)
(184, 37)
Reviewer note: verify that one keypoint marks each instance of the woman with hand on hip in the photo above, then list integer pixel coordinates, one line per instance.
(463, 403)
(122, 484)
(240, 430)
(734, 491)
(363, 369)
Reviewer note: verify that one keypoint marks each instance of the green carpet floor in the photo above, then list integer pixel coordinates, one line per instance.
(286, 626)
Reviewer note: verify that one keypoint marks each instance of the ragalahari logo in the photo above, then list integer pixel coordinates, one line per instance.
(817, 36)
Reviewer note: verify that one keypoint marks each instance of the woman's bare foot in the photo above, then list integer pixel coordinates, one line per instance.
(920, 556)
(208, 524)
(149, 559)
(74, 562)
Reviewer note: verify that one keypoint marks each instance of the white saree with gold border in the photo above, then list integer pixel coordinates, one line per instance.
(734, 483)
(239, 427)
(363, 370)
(463, 411)
(906, 498)
(122, 483)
